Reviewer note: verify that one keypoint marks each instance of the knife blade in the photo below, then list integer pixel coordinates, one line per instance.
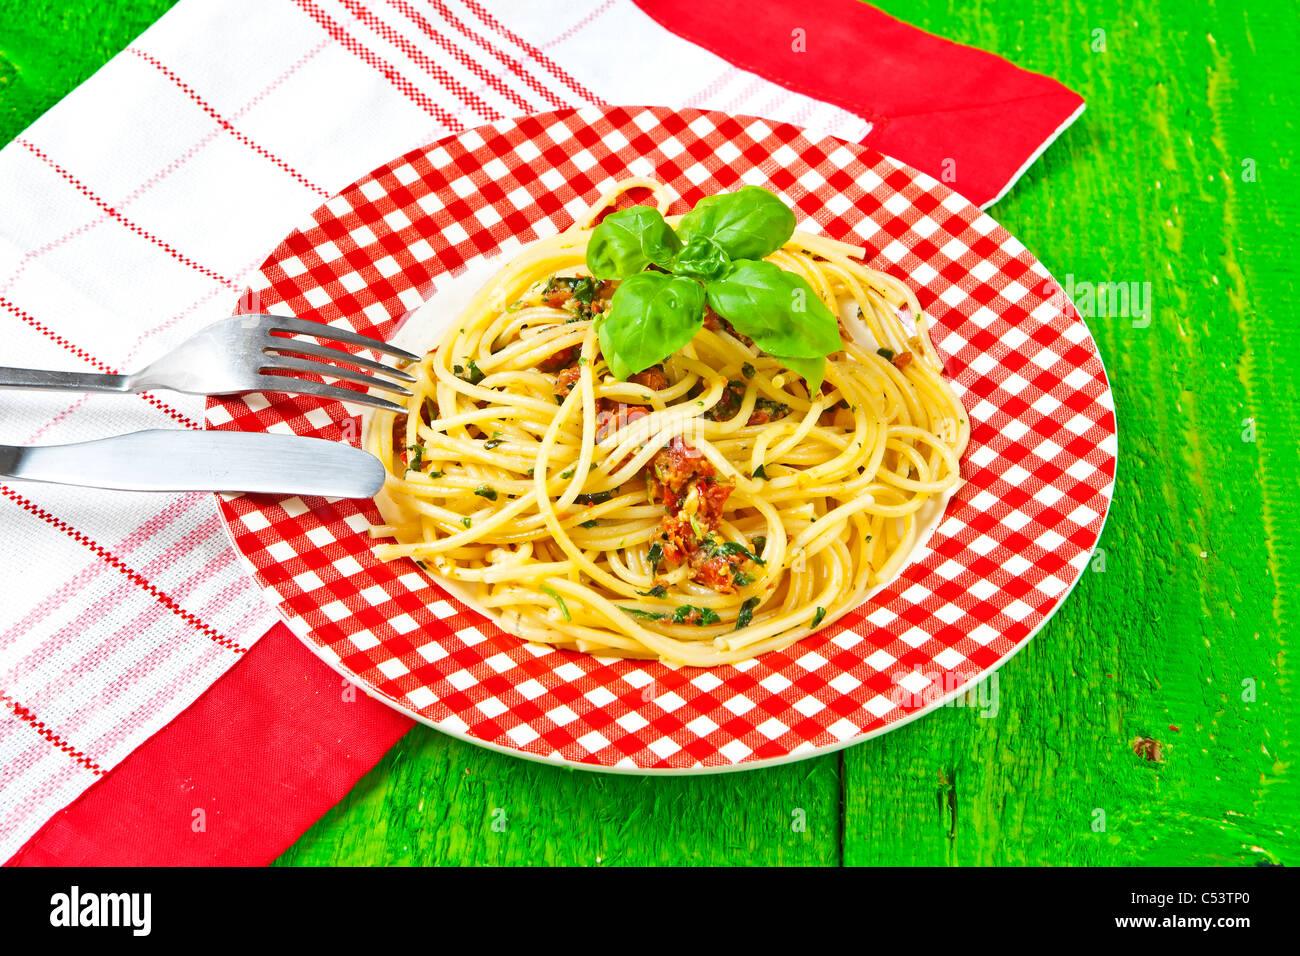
(176, 460)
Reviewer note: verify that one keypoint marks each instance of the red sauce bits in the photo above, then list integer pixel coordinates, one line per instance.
(564, 358)
(584, 296)
(565, 382)
(687, 484)
(653, 378)
(612, 415)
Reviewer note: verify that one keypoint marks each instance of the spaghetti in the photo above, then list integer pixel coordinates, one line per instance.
(701, 512)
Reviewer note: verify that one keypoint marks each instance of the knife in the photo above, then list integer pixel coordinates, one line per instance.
(176, 460)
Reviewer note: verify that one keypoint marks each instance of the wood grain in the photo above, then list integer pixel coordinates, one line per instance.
(1199, 589)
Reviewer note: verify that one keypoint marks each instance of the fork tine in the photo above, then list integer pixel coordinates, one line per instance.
(336, 355)
(299, 386)
(332, 371)
(285, 323)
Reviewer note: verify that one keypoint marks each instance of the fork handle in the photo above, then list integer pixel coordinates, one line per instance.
(63, 381)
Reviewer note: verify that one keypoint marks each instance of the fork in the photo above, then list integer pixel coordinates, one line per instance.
(235, 355)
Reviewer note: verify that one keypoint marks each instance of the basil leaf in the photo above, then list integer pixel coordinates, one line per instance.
(629, 240)
(651, 316)
(702, 258)
(748, 224)
(777, 309)
(814, 370)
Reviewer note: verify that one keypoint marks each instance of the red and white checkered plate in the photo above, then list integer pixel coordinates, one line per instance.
(1011, 544)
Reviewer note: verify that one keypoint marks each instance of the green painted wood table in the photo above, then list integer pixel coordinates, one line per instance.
(1181, 178)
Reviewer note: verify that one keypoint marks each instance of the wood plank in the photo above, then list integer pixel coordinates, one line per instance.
(436, 800)
(1198, 591)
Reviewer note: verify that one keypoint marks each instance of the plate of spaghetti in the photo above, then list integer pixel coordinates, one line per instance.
(729, 445)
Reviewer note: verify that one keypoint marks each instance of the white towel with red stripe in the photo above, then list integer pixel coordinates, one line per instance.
(136, 211)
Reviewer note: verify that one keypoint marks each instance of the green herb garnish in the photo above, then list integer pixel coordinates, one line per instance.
(760, 472)
(886, 354)
(657, 591)
(564, 608)
(706, 615)
(686, 614)
(492, 443)
(817, 618)
(655, 556)
(466, 521)
(715, 548)
(714, 256)
(415, 457)
(595, 497)
(582, 288)
(486, 491)
(589, 524)
(644, 615)
(746, 614)
(469, 373)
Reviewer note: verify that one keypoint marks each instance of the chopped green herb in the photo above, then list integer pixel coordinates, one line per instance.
(486, 491)
(595, 497)
(582, 288)
(564, 608)
(433, 474)
(657, 591)
(746, 614)
(492, 443)
(415, 456)
(644, 615)
(655, 555)
(886, 354)
(760, 472)
(760, 543)
(740, 579)
(590, 524)
(699, 616)
(747, 370)
(774, 410)
(686, 614)
(567, 474)
(716, 548)
(470, 373)
(466, 521)
(817, 618)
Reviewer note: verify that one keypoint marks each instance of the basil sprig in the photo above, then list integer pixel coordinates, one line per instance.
(715, 255)
(651, 316)
(629, 240)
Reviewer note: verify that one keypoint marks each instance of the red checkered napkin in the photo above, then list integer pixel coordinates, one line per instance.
(1038, 473)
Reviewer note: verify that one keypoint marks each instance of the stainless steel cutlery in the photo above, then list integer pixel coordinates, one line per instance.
(184, 460)
(244, 353)
(237, 355)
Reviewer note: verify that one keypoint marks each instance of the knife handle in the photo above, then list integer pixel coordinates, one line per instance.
(62, 381)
